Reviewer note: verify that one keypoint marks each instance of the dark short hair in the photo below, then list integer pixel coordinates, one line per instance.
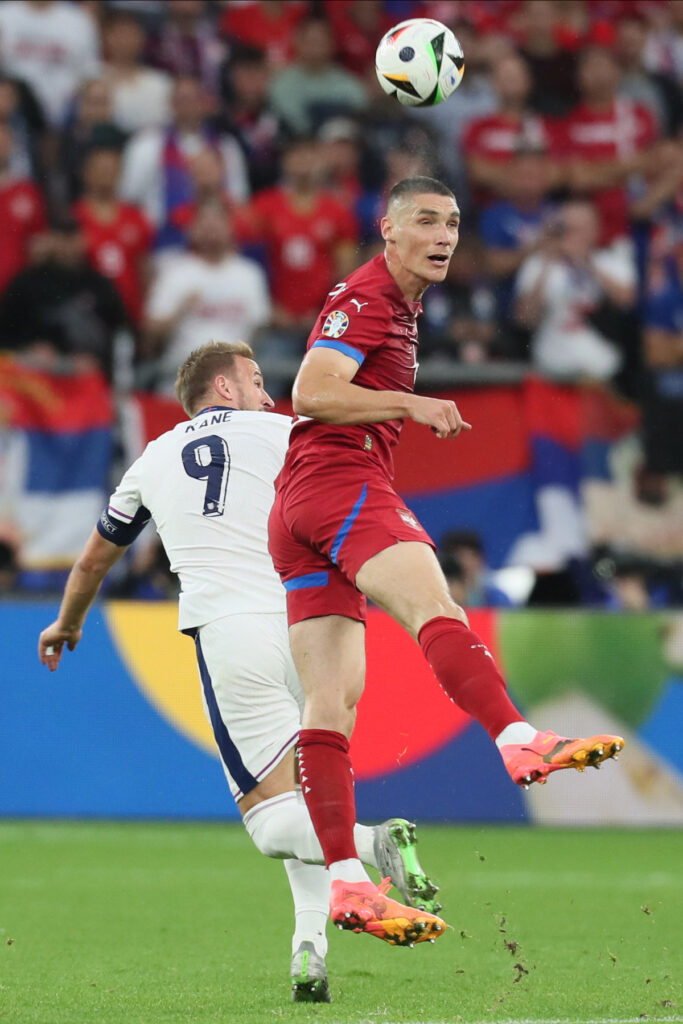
(247, 56)
(418, 186)
(468, 539)
(197, 373)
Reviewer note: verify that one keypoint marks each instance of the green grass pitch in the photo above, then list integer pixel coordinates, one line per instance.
(165, 923)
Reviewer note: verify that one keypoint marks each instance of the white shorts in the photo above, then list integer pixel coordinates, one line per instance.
(252, 694)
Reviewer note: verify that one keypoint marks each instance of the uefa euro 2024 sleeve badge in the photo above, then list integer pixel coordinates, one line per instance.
(336, 323)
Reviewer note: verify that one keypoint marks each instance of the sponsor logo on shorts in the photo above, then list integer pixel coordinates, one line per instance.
(335, 324)
(408, 518)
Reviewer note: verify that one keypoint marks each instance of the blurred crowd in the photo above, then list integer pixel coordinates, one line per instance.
(177, 171)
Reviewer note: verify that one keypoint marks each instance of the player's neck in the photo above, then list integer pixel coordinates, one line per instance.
(411, 286)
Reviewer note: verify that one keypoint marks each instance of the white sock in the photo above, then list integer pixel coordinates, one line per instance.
(282, 827)
(310, 885)
(518, 732)
(350, 870)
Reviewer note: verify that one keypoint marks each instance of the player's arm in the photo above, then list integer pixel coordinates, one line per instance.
(324, 390)
(82, 586)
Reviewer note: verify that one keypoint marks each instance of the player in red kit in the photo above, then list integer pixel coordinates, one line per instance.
(339, 532)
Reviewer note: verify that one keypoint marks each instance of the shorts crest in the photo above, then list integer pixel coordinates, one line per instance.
(336, 323)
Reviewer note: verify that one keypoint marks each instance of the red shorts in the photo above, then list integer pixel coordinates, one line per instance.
(328, 519)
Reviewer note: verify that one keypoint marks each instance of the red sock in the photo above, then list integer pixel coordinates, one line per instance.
(326, 779)
(466, 670)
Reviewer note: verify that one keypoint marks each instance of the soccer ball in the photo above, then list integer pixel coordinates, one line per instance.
(420, 62)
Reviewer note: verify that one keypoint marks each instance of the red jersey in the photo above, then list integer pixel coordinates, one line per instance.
(116, 247)
(300, 246)
(367, 318)
(595, 136)
(22, 215)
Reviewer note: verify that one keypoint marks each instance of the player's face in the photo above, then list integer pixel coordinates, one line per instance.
(247, 388)
(422, 233)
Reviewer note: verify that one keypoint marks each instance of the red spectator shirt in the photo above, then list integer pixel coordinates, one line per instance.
(22, 215)
(367, 318)
(595, 136)
(116, 247)
(256, 24)
(498, 137)
(300, 246)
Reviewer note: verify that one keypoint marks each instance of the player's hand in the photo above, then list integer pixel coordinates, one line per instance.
(439, 414)
(51, 644)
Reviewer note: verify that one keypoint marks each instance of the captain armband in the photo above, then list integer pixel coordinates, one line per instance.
(123, 533)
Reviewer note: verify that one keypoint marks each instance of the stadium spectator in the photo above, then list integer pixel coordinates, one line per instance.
(656, 212)
(664, 47)
(562, 284)
(357, 29)
(310, 237)
(313, 88)
(552, 66)
(21, 112)
(208, 185)
(51, 45)
(156, 173)
(491, 142)
(266, 25)
(211, 292)
(186, 45)
(341, 160)
(92, 125)
(247, 115)
(141, 95)
(604, 140)
(659, 92)
(663, 398)
(60, 310)
(511, 228)
(22, 212)
(631, 588)
(117, 235)
(465, 547)
(459, 318)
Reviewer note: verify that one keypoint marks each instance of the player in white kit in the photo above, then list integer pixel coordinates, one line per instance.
(209, 486)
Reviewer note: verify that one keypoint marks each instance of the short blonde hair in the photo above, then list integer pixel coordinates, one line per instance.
(198, 372)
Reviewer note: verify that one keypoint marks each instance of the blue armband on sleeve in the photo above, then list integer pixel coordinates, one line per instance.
(123, 534)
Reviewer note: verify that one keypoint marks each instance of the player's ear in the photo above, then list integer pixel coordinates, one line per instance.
(223, 386)
(386, 226)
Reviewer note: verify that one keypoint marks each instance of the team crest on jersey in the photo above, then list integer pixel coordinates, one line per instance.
(335, 324)
(408, 518)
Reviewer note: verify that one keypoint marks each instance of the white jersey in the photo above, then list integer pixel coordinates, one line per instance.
(209, 486)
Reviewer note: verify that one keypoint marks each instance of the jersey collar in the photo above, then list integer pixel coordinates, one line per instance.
(215, 408)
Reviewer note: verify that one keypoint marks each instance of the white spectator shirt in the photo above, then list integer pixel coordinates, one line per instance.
(565, 341)
(232, 300)
(142, 175)
(209, 485)
(142, 101)
(52, 48)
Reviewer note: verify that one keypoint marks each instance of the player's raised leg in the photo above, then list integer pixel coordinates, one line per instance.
(407, 582)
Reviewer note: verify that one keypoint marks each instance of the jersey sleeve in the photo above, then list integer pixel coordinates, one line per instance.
(125, 517)
(353, 322)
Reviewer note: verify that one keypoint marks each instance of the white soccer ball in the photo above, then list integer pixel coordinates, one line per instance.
(420, 62)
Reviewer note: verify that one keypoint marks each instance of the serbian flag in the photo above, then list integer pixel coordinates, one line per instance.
(55, 459)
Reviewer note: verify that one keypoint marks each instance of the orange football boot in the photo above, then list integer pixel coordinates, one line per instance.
(365, 907)
(548, 752)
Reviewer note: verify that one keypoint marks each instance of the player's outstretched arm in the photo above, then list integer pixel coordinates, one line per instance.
(324, 390)
(85, 580)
